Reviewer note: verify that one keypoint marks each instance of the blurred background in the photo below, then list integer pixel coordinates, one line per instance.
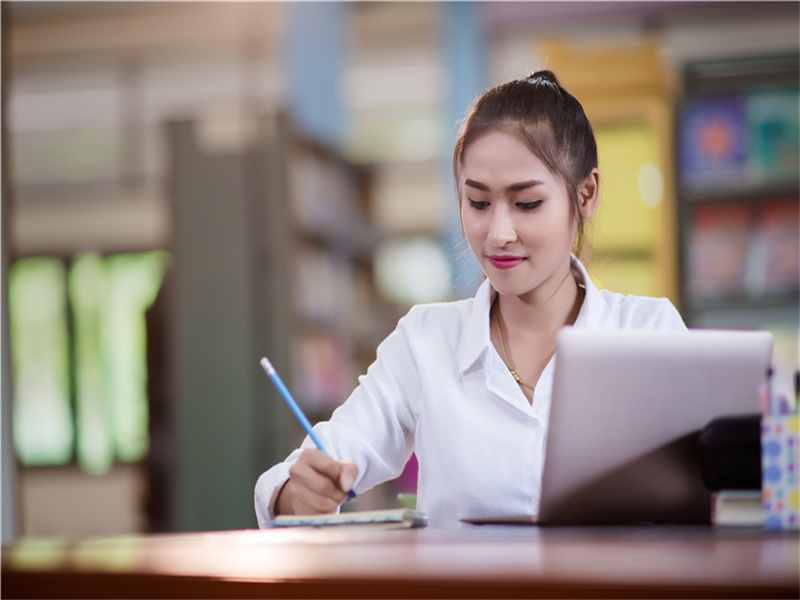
(190, 186)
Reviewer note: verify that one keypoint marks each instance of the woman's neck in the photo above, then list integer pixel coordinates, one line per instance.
(523, 329)
(545, 309)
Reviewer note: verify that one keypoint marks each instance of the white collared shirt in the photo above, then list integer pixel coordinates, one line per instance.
(440, 389)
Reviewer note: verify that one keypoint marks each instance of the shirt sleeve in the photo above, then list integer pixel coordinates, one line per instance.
(642, 312)
(373, 428)
(667, 318)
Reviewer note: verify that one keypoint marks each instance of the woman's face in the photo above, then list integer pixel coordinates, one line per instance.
(516, 214)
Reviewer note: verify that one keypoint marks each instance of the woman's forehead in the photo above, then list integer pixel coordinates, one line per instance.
(500, 152)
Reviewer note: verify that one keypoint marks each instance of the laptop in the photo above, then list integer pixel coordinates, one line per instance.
(627, 408)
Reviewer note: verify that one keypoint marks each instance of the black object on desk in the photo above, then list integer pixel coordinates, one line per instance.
(730, 453)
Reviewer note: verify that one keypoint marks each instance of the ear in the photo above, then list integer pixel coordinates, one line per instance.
(589, 194)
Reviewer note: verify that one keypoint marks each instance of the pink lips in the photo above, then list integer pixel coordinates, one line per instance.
(505, 261)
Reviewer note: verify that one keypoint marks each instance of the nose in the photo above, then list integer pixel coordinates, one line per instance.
(501, 229)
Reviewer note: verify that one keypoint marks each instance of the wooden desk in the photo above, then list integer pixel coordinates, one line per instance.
(474, 562)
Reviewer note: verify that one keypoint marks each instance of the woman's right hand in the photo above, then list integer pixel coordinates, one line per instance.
(317, 484)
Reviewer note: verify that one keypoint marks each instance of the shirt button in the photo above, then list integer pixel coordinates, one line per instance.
(535, 505)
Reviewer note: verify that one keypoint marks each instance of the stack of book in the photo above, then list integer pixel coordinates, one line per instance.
(737, 508)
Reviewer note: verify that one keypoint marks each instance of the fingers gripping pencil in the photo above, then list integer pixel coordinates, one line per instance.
(296, 411)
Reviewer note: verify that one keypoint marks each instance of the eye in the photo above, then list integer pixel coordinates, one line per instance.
(529, 206)
(478, 204)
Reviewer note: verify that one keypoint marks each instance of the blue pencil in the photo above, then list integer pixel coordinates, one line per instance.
(298, 413)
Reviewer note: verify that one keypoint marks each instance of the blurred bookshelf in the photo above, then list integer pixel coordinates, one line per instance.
(632, 237)
(273, 257)
(739, 196)
(334, 315)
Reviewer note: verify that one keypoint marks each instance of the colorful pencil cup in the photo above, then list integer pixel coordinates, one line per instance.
(780, 461)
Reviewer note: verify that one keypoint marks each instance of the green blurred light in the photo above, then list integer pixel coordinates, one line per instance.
(42, 416)
(108, 298)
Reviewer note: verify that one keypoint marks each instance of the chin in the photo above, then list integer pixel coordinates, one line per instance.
(513, 293)
(506, 288)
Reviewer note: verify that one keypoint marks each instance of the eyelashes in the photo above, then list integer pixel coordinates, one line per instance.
(478, 205)
(529, 206)
(523, 206)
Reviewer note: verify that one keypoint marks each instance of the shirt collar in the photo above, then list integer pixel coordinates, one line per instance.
(475, 340)
(588, 314)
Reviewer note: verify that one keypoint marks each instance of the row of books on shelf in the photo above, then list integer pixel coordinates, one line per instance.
(737, 249)
(332, 291)
(748, 137)
(324, 194)
(324, 372)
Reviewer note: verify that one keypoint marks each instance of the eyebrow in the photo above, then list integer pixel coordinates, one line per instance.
(514, 187)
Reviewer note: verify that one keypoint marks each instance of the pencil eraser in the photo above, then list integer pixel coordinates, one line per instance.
(267, 366)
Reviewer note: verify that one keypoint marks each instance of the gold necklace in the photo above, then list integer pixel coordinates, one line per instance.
(505, 355)
(514, 374)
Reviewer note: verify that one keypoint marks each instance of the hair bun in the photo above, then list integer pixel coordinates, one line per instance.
(543, 76)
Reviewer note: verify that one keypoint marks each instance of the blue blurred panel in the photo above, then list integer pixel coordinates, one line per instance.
(315, 55)
(465, 53)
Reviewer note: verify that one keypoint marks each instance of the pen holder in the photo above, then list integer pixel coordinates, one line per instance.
(780, 461)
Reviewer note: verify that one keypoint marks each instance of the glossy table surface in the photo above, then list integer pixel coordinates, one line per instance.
(476, 561)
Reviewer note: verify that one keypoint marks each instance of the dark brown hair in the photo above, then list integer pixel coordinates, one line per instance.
(545, 117)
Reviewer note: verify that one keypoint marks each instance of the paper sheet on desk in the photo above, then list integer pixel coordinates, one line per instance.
(396, 517)
(503, 520)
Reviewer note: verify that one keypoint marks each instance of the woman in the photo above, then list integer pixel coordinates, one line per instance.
(466, 385)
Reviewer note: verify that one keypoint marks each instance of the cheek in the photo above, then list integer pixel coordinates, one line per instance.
(467, 224)
(572, 223)
(555, 232)
(471, 226)
(566, 223)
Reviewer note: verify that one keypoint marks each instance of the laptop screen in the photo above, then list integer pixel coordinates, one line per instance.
(626, 411)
